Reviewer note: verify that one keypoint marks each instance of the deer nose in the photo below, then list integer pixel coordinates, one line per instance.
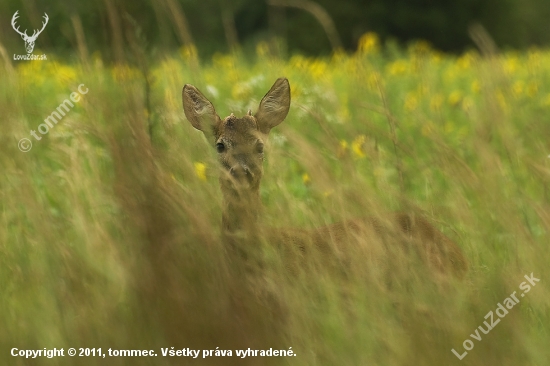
(240, 172)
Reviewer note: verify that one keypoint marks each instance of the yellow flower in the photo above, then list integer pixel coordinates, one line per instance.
(188, 52)
(65, 74)
(534, 58)
(368, 43)
(511, 64)
(518, 88)
(305, 178)
(455, 97)
(436, 57)
(31, 73)
(295, 91)
(342, 150)
(357, 146)
(200, 171)
(225, 62)
(339, 57)
(398, 67)
(411, 102)
(466, 60)
(240, 91)
(262, 49)
(298, 62)
(476, 88)
(317, 69)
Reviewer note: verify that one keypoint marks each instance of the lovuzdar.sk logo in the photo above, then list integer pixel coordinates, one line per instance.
(29, 40)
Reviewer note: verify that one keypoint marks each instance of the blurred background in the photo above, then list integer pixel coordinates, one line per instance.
(110, 224)
(297, 26)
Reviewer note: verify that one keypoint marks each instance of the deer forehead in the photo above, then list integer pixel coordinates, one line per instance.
(236, 130)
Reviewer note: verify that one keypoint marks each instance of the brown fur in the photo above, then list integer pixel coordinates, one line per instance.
(239, 142)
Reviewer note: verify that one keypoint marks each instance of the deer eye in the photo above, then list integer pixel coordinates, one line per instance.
(220, 147)
(259, 148)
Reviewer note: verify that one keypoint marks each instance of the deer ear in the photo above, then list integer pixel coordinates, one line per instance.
(199, 111)
(274, 105)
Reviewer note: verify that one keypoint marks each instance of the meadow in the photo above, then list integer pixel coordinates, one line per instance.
(110, 224)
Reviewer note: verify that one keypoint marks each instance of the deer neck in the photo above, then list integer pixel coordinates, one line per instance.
(241, 210)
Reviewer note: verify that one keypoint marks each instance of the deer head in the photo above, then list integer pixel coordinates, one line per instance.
(239, 142)
(29, 40)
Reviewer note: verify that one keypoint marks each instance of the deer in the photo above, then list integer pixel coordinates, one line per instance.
(29, 40)
(239, 144)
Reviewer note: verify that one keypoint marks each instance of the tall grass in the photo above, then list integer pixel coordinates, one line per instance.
(110, 225)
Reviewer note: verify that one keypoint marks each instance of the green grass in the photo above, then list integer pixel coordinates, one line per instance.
(109, 237)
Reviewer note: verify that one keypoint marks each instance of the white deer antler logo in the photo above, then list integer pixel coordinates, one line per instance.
(29, 41)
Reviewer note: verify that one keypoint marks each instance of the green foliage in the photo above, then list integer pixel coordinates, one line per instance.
(110, 234)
